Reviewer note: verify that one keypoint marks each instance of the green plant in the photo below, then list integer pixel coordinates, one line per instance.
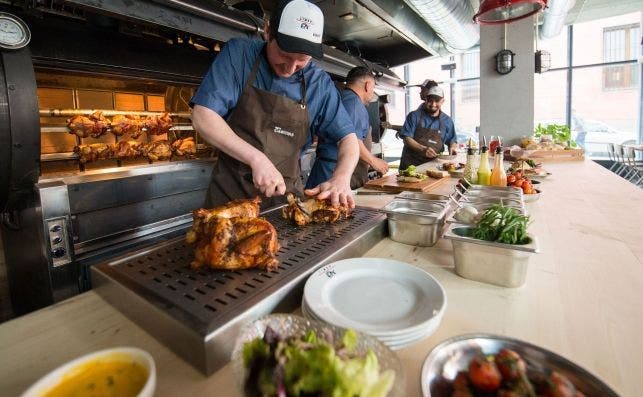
(560, 133)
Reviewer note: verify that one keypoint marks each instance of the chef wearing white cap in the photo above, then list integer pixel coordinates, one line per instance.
(426, 131)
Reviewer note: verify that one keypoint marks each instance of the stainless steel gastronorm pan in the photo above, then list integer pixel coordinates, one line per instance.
(416, 222)
(421, 196)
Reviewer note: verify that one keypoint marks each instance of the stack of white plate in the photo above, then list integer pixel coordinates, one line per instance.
(397, 303)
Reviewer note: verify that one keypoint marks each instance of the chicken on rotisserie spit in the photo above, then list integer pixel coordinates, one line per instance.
(126, 124)
(231, 237)
(184, 147)
(127, 150)
(95, 125)
(94, 152)
(157, 150)
(157, 125)
(313, 210)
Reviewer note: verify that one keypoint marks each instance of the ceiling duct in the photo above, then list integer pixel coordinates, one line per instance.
(452, 20)
(554, 17)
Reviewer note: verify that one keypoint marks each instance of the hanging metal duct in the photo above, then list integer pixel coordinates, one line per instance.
(555, 15)
(452, 20)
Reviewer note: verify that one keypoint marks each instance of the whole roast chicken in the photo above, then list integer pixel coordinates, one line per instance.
(157, 150)
(313, 211)
(157, 124)
(94, 152)
(184, 147)
(126, 124)
(232, 237)
(95, 125)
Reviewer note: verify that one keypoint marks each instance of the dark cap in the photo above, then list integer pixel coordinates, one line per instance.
(357, 73)
(298, 27)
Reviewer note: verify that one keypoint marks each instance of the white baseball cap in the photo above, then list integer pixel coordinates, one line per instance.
(435, 91)
(298, 27)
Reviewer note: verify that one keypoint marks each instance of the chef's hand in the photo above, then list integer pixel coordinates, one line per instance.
(267, 178)
(380, 166)
(430, 153)
(338, 191)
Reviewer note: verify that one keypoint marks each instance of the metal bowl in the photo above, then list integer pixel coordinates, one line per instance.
(453, 355)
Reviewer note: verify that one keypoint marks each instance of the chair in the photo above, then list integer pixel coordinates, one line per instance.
(611, 153)
(635, 166)
(620, 160)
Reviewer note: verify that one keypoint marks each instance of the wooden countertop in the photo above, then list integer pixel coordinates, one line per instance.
(583, 297)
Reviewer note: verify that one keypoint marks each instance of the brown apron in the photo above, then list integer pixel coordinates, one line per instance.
(360, 175)
(429, 137)
(274, 124)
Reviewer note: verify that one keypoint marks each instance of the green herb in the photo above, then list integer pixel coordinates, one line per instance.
(560, 133)
(502, 225)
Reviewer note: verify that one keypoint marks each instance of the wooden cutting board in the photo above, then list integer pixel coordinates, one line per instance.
(389, 183)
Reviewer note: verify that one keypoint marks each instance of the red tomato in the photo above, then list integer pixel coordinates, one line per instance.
(511, 179)
(484, 374)
(518, 183)
(518, 174)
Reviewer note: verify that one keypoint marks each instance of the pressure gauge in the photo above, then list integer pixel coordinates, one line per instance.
(14, 33)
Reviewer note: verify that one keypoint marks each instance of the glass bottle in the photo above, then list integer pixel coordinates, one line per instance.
(498, 174)
(470, 167)
(484, 173)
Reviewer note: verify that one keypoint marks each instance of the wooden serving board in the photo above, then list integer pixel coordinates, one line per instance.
(553, 155)
(389, 183)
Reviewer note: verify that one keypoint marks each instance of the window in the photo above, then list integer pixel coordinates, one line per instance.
(620, 43)
(470, 89)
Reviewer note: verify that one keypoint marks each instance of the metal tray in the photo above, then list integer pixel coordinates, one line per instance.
(416, 222)
(198, 313)
(422, 196)
(481, 208)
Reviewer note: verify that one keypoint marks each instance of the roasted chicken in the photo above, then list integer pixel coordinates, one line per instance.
(184, 147)
(157, 125)
(95, 125)
(313, 211)
(126, 124)
(94, 152)
(157, 150)
(232, 237)
(127, 150)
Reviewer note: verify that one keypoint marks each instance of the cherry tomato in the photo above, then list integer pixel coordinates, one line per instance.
(518, 183)
(511, 179)
(528, 190)
(525, 183)
(484, 374)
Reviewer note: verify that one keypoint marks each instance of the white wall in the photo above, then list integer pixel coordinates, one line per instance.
(507, 101)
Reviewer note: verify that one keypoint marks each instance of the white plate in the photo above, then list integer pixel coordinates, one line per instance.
(382, 297)
(395, 342)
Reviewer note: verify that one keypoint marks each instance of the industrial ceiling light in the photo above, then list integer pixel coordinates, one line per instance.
(506, 11)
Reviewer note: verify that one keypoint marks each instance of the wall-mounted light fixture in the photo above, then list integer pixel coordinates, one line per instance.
(505, 61)
(542, 61)
(505, 58)
(506, 11)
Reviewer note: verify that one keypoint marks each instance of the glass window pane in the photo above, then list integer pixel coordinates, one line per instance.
(607, 40)
(550, 97)
(467, 115)
(600, 115)
(557, 47)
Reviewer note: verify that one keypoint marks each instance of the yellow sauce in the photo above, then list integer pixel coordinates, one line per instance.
(113, 375)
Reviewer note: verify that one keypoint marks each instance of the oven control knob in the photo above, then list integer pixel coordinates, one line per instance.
(58, 252)
(56, 240)
(55, 228)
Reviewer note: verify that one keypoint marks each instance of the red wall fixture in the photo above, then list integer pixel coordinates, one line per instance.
(493, 12)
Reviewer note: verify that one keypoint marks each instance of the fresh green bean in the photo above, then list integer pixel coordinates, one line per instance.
(503, 225)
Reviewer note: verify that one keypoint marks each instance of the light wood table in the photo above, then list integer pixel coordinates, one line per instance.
(583, 298)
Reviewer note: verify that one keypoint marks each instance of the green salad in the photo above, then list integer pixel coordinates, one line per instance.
(312, 365)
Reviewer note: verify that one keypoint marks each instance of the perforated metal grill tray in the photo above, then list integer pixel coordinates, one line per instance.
(198, 313)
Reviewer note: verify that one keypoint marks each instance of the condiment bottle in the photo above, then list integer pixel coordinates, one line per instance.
(484, 173)
(498, 174)
(470, 172)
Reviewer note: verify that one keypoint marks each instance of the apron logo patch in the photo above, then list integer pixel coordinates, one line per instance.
(278, 130)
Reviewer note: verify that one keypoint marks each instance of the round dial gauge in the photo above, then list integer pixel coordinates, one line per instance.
(14, 33)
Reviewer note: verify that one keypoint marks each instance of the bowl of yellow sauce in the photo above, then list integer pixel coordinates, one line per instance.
(121, 371)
